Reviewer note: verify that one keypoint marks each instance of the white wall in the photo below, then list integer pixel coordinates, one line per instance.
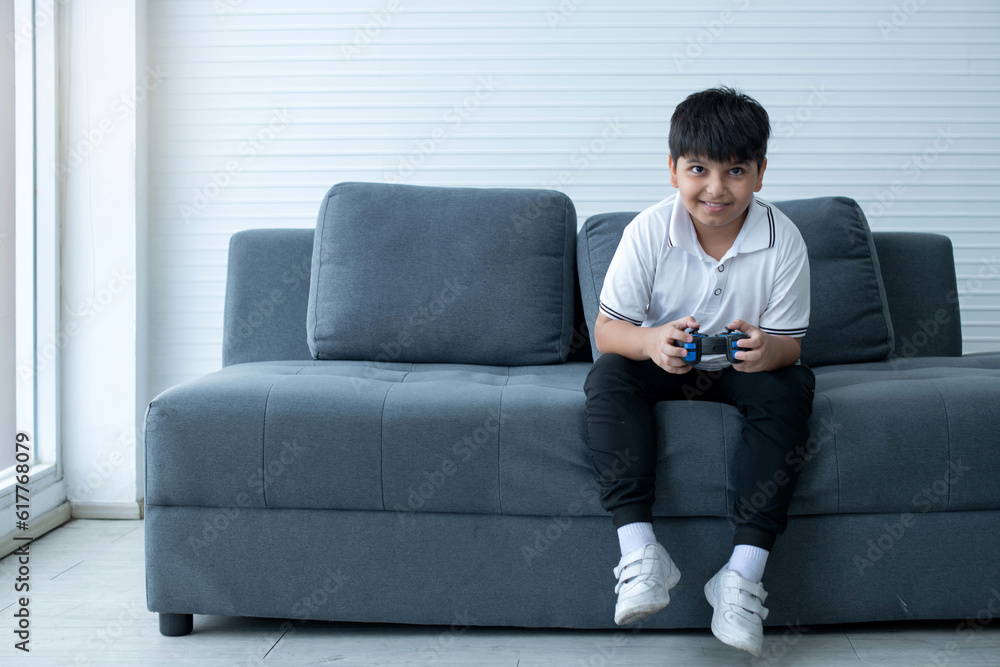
(7, 362)
(100, 221)
(896, 108)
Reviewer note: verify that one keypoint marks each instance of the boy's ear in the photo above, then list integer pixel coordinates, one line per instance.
(760, 176)
(673, 170)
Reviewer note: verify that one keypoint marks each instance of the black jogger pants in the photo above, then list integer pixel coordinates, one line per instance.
(776, 406)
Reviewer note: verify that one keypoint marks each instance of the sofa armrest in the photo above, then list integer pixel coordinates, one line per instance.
(267, 293)
(918, 270)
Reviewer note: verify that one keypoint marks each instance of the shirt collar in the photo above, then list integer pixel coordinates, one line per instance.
(757, 232)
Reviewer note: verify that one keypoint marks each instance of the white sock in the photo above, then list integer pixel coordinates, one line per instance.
(749, 561)
(634, 536)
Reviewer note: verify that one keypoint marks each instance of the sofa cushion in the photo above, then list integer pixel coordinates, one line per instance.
(922, 432)
(849, 317)
(404, 273)
(512, 440)
(364, 435)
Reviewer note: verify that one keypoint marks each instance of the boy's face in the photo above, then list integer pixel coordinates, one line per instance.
(716, 194)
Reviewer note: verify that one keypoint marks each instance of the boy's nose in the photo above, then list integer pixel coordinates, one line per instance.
(715, 186)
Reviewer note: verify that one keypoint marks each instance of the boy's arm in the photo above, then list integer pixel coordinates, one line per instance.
(641, 343)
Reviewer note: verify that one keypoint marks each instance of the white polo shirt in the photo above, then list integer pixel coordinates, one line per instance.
(660, 274)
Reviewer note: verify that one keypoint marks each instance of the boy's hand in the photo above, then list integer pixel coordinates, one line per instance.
(762, 351)
(756, 353)
(661, 348)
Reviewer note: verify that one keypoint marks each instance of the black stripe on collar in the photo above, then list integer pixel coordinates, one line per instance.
(770, 222)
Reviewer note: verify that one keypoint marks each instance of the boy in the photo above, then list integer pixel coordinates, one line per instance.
(714, 257)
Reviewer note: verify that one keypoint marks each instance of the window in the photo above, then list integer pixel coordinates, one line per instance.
(33, 245)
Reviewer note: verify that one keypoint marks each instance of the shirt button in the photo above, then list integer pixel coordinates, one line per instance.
(721, 268)
(718, 292)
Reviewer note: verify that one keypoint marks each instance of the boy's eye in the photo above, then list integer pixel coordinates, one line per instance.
(736, 171)
(697, 168)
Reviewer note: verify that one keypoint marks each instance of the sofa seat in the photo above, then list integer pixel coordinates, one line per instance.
(401, 437)
(371, 436)
(944, 456)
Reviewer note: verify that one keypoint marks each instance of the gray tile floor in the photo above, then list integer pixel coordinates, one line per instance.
(88, 607)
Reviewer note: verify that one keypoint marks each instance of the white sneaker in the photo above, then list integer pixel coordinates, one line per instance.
(645, 577)
(739, 614)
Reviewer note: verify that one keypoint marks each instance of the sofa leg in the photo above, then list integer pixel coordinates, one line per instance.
(176, 625)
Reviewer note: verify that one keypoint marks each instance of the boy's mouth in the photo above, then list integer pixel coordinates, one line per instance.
(714, 207)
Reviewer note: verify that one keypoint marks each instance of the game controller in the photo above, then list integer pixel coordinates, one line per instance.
(703, 344)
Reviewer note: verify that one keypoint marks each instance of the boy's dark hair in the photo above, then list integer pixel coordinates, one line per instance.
(720, 124)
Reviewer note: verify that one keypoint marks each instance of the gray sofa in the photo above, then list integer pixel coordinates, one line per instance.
(397, 434)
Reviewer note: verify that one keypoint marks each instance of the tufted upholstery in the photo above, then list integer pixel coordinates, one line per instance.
(512, 440)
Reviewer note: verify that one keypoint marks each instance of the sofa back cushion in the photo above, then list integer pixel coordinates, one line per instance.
(849, 317)
(452, 275)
